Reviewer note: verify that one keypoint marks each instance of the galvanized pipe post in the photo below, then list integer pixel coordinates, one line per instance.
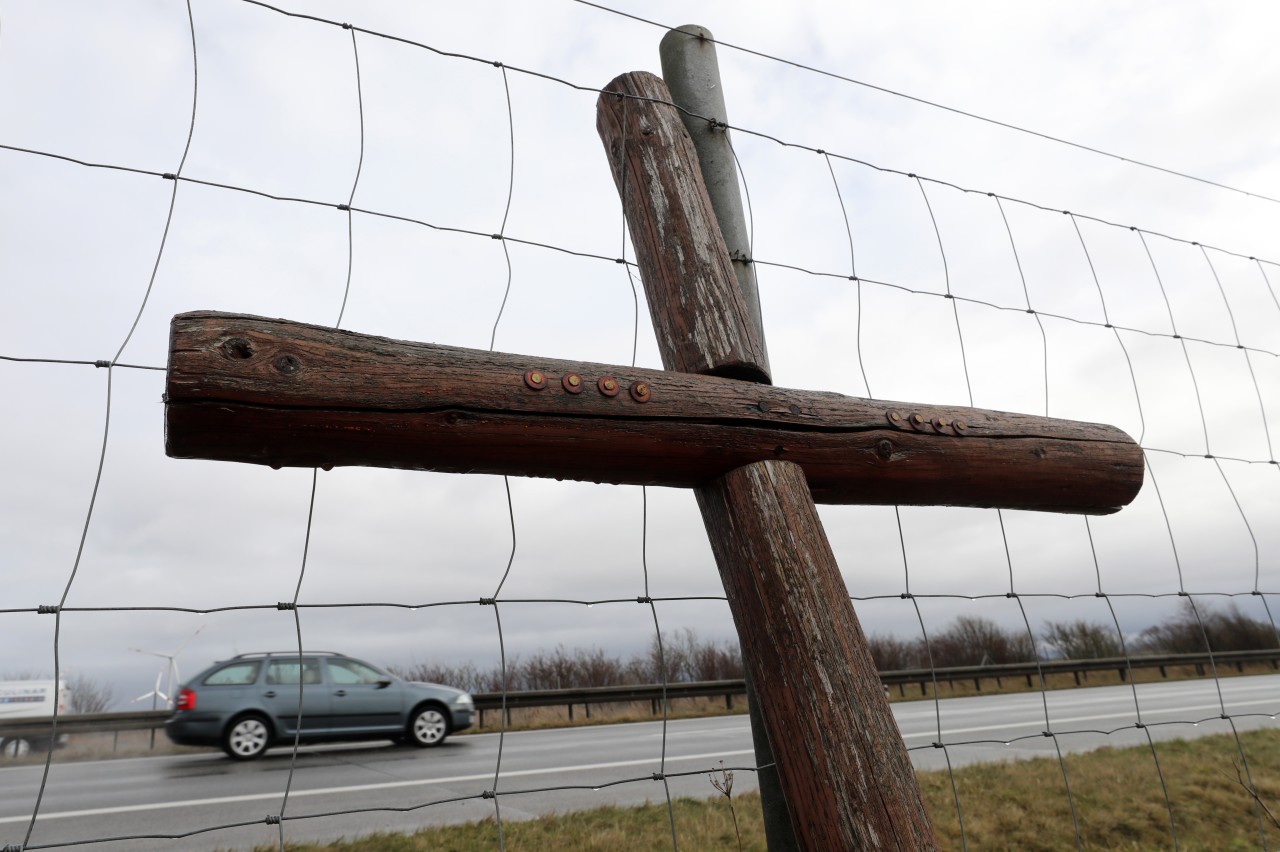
(691, 72)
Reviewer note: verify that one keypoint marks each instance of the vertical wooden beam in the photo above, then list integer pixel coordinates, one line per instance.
(843, 766)
(702, 325)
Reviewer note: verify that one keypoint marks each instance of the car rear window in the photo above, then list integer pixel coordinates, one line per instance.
(236, 674)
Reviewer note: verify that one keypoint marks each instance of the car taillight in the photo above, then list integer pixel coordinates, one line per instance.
(186, 700)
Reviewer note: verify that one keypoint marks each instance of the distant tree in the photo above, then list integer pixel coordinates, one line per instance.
(1187, 631)
(893, 654)
(1082, 640)
(86, 695)
(973, 640)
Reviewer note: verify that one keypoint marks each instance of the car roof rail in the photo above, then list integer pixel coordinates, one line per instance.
(255, 654)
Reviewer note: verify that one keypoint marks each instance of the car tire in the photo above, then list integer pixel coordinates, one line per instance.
(428, 727)
(246, 738)
(15, 747)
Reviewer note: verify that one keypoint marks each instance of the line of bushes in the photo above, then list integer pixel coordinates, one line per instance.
(687, 659)
(965, 641)
(970, 641)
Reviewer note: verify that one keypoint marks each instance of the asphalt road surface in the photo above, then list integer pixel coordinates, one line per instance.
(556, 770)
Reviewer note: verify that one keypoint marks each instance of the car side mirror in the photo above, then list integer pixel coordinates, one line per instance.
(383, 683)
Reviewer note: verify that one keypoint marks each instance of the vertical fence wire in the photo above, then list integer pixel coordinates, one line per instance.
(506, 482)
(106, 435)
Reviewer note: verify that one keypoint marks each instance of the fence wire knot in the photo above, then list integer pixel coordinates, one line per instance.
(272, 819)
(283, 605)
(488, 601)
(658, 776)
(644, 599)
(488, 794)
(48, 609)
(102, 363)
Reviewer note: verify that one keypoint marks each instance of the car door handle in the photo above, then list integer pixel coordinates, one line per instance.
(270, 693)
(340, 693)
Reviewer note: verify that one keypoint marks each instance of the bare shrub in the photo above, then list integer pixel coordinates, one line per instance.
(1184, 633)
(891, 654)
(86, 695)
(976, 641)
(1082, 640)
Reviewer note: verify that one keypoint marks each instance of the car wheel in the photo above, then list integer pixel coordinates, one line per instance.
(428, 728)
(16, 747)
(246, 738)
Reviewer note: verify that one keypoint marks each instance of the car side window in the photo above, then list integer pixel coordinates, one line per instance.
(236, 674)
(350, 672)
(285, 672)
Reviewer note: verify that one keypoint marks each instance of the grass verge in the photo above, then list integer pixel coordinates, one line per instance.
(1119, 804)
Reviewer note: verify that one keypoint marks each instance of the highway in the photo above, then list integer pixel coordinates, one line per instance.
(612, 764)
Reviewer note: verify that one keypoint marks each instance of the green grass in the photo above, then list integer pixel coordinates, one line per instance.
(1020, 805)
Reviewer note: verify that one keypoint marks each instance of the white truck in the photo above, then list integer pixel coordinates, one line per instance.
(28, 701)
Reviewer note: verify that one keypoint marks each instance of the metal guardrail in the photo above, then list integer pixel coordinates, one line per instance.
(728, 689)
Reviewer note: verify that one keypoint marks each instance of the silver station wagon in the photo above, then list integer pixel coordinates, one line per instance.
(249, 703)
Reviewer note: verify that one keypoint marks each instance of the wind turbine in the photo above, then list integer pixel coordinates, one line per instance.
(154, 693)
(171, 669)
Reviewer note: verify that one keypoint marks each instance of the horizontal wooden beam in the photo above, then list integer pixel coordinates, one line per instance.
(285, 394)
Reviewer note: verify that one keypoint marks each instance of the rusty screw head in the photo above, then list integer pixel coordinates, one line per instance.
(287, 364)
(607, 385)
(641, 392)
(940, 423)
(894, 417)
(535, 379)
(917, 420)
(960, 425)
(572, 383)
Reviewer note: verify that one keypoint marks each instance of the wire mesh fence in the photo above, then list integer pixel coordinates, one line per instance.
(399, 176)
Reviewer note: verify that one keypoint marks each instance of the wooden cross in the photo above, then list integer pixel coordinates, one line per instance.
(273, 392)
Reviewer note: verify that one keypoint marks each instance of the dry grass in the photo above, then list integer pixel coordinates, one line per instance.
(1117, 797)
(533, 718)
(1010, 806)
(700, 824)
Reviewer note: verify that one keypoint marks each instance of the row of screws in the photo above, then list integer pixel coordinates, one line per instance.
(574, 383)
(919, 421)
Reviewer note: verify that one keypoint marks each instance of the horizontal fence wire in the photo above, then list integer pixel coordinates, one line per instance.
(504, 786)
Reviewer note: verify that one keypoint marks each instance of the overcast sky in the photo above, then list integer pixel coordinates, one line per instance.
(1190, 88)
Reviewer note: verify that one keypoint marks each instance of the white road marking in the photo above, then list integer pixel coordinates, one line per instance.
(386, 785)
(1065, 720)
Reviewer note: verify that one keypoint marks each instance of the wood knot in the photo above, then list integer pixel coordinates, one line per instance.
(287, 364)
(237, 349)
(884, 449)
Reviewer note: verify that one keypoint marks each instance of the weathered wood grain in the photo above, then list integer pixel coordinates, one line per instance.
(840, 756)
(702, 323)
(841, 762)
(272, 392)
